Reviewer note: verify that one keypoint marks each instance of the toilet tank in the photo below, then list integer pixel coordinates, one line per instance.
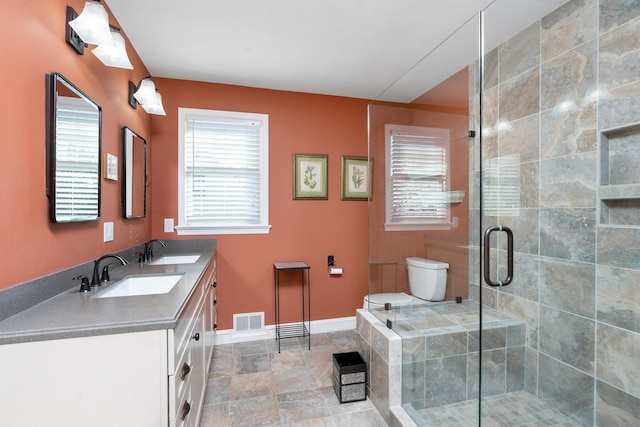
(427, 278)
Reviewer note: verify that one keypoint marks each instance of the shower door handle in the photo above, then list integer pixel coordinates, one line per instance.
(487, 275)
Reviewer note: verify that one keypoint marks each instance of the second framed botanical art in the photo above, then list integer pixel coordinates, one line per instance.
(310, 177)
(356, 178)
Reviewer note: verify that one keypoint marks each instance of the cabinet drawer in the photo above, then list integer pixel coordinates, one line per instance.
(180, 382)
(183, 333)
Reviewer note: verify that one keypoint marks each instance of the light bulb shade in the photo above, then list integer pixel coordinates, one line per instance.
(146, 92)
(154, 106)
(92, 25)
(113, 54)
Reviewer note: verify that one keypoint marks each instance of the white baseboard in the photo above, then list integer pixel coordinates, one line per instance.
(228, 336)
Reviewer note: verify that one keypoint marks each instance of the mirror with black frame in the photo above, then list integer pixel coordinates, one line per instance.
(74, 138)
(134, 175)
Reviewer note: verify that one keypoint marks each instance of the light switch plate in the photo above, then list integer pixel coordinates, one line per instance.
(108, 231)
(168, 225)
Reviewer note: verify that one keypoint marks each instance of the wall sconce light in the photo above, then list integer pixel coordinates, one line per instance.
(92, 27)
(146, 94)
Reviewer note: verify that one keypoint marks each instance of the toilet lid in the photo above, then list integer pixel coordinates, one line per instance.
(394, 298)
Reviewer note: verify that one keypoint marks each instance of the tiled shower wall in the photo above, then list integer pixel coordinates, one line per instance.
(551, 94)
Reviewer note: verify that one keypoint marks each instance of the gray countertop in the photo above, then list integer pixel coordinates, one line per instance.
(74, 314)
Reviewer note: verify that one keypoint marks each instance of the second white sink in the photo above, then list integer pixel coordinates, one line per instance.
(147, 284)
(174, 259)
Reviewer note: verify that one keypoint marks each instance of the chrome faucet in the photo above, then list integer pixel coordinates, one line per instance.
(95, 279)
(148, 251)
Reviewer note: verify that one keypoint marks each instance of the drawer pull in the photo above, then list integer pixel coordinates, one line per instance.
(185, 371)
(214, 284)
(215, 301)
(196, 336)
(186, 408)
(215, 326)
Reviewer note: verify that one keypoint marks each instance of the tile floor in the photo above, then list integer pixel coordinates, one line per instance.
(505, 410)
(251, 384)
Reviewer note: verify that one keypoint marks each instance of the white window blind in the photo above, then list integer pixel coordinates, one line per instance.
(224, 184)
(77, 159)
(417, 180)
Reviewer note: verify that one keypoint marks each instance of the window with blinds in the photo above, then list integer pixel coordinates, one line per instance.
(77, 174)
(223, 176)
(417, 178)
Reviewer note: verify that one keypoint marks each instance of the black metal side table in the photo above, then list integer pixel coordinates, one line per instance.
(303, 328)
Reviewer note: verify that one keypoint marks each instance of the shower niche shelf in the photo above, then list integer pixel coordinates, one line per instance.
(619, 189)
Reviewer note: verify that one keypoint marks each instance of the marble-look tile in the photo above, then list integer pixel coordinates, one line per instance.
(413, 349)
(443, 345)
(567, 27)
(619, 61)
(251, 364)
(522, 309)
(363, 327)
(568, 233)
(569, 181)
(222, 387)
(490, 121)
(525, 226)
(494, 372)
(531, 370)
(617, 358)
(520, 53)
(445, 380)
(215, 415)
(413, 384)
(251, 385)
(614, 13)
(621, 212)
(568, 129)
(566, 388)
(286, 360)
(623, 149)
(259, 411)
(379, 380)
(568, 286)
(520, 96)
(618, 296)
(298, 378)
(618, 247)
(491, 69)
(516, 334)
(529, 185)
(525, 275)
(568, 338)
(492, 338)
(615, 407)
(220, 367)
(520, 140)
(619, 106)
(301, 405)
(249, 347)
(515, 369)
(569, 77)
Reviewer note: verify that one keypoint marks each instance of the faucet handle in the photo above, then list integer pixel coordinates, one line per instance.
(84, 283)
(141, 257)
(105, 274)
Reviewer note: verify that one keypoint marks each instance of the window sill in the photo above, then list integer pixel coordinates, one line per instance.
(194, 230)
(417, 227)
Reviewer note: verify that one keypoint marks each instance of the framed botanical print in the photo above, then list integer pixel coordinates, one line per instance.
(310, 176)
(356, 178)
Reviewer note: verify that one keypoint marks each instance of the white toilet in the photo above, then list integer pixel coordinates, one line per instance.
(427, 282)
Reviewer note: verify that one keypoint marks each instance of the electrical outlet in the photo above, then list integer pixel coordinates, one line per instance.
(168, 225)
(108, 231)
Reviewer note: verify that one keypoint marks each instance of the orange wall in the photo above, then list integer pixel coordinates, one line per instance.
(32, 45)
(307, 230)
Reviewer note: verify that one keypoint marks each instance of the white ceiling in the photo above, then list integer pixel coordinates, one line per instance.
(352, 48)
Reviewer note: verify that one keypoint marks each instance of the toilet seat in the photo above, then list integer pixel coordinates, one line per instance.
(379, 300)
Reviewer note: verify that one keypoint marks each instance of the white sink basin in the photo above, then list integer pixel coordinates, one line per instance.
(147, 284)
(174, 259)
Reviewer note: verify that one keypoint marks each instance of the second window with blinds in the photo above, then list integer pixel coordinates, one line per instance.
(223, 159)
(417, 178)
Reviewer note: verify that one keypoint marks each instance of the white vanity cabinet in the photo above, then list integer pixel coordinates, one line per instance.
(154, 378)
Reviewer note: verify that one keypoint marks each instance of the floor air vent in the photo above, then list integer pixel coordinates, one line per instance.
(248, 322)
